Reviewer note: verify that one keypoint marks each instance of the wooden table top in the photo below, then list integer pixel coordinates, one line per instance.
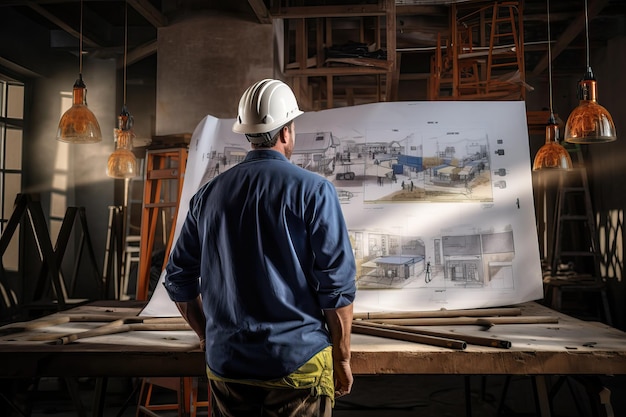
(57, 345)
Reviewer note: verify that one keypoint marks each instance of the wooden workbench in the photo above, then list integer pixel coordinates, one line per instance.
(567, 347)
(570, 346)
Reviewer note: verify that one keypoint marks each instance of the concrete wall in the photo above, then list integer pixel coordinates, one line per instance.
(205, 62)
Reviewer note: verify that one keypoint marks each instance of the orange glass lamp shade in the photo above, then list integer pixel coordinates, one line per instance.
(78, 124)
(589, 122)
(552, 155)
(122, 162)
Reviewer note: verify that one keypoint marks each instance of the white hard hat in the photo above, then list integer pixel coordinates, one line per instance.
(265, 106)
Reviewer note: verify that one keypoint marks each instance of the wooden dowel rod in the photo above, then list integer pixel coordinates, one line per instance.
(32, 325)
(480, 321)
(117, 326)
(142, 327)
(479, 312)
(106, 330)
(409, 337)
(127, 319)
(473, 340)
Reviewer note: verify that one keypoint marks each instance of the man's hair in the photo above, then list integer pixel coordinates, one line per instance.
(272, 137)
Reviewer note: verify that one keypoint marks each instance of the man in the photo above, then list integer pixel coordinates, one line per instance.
(273, 304)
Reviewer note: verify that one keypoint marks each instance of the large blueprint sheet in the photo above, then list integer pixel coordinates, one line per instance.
(437, 198)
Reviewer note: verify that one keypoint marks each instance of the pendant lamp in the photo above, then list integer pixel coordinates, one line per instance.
(78, 124)
(122, 162)
(552, 155)
(589, 122)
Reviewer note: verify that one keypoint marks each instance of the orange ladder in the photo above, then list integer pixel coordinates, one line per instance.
(164, 175)
(506, 29)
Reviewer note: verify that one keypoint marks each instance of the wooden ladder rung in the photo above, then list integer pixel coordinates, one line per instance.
(161, 205)
(163, 174)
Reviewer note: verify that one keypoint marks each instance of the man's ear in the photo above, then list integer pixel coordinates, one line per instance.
(284, 131)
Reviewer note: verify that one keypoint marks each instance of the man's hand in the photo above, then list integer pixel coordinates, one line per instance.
(339, 322)
(194, 316)
(343, 378)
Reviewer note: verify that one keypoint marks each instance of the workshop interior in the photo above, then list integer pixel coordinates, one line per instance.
(103, 109)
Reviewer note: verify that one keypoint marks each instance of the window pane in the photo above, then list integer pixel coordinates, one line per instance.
(15, 102)
(11, 258)
(2, 133)
(13, 158)
(3, 86)
(12, 187)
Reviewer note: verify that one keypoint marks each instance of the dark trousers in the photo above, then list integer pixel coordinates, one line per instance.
(241, 400)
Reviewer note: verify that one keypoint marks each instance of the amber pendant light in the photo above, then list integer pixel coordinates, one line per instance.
(122, 162)
(78, 124)
(589, 123)
(552, 155)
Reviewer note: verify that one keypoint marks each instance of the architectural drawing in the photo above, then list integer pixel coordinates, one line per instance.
(437, 197)
(472, 260)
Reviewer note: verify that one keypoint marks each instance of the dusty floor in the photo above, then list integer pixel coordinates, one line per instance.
(373, 396)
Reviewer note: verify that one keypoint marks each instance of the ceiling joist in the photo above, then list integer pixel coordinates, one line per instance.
(572, 31)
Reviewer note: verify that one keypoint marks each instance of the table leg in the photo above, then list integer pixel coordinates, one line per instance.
(99, 396)
(541, 395)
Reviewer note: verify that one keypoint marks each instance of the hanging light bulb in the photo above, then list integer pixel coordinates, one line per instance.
(552, 155)
(122, 162)
(78, 124)
(589, 122)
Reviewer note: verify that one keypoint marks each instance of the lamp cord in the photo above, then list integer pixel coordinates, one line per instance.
(80, 41)
(587, 32)
(550, 61)
(125, 44)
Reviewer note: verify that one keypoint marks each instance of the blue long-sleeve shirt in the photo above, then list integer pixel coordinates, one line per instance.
(270, 245)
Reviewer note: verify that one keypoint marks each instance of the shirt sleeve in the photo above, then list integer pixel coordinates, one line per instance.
(182, 278)
(334, 267)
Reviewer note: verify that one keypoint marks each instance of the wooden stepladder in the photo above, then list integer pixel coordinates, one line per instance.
(28, 208)
(164, 175)
(576, 243)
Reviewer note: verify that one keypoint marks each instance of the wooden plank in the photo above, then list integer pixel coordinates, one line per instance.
(334, 71)
(304, 12)
(475, 340)
(391, 81)
(477, 312)
(261, 11)
(416, 338)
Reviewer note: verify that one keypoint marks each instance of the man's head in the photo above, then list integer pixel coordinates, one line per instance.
(266, 113)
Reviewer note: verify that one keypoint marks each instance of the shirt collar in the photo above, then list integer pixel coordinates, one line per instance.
(257, 154)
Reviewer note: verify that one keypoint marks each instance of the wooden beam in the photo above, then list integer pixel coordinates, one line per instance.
(577, 26)
(60, 23)
(261, 12)
(421, 10)
(149, 12)
(391, 81)
(137, 54)
(329, 11)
